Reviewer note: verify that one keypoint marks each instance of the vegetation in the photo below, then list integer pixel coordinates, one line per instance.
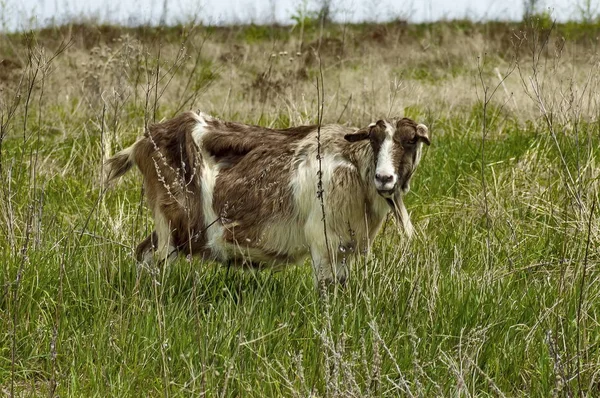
(497, 295)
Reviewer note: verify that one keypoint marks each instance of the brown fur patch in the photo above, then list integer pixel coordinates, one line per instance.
(377, 135)
(406, 132)
(253, 192)
(406, 139)
(252, 188)
(229, 139)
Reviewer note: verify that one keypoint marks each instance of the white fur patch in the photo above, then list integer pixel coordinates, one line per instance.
(201, 129)
(304, 182)
(210, 171)
(214, 228)
(165, 250)
(385, 161)
(304, 185)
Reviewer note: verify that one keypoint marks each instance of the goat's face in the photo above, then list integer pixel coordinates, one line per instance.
(397, 148)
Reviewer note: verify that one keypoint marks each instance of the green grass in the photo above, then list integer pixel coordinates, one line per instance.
(486, 300)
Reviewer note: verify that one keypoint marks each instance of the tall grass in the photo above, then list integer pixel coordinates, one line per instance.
(497, 295)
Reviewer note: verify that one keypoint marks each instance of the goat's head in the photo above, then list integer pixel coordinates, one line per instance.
(397, 146)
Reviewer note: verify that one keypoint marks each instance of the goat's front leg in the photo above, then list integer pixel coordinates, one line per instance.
(144, 252)
(329, 266)
(329, 262)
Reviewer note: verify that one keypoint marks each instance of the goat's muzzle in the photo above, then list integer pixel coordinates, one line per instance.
(387, 193)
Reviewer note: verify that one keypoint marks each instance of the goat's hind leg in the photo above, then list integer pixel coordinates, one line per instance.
(158, 244)
(165, 251)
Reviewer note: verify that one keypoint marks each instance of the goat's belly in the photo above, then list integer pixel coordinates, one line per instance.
(274, 244)
(254, 257)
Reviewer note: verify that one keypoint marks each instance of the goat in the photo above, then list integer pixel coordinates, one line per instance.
(256, 196)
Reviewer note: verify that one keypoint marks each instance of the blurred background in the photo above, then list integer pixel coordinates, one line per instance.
(26, 14)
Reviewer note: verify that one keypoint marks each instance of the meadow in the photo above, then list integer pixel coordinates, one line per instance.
(498, 293)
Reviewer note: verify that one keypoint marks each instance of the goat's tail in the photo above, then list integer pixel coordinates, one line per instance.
(119, 164)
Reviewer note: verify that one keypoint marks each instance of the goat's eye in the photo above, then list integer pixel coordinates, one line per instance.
(412, 141)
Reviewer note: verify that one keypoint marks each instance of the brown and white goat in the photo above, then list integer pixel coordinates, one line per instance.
(251, 195)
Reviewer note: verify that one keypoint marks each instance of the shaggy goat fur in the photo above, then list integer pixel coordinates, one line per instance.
(255, 196)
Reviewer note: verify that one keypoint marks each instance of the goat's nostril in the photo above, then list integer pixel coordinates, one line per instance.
(385, 178)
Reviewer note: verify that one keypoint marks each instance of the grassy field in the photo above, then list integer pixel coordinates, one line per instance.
(497, 295)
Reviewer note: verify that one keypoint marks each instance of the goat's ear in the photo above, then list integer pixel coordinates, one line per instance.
(358, 135)
(423, 133)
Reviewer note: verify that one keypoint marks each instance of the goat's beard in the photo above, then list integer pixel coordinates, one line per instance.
(396, 204)
(392, 201)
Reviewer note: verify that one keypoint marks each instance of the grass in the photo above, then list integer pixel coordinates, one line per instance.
(498, 294)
